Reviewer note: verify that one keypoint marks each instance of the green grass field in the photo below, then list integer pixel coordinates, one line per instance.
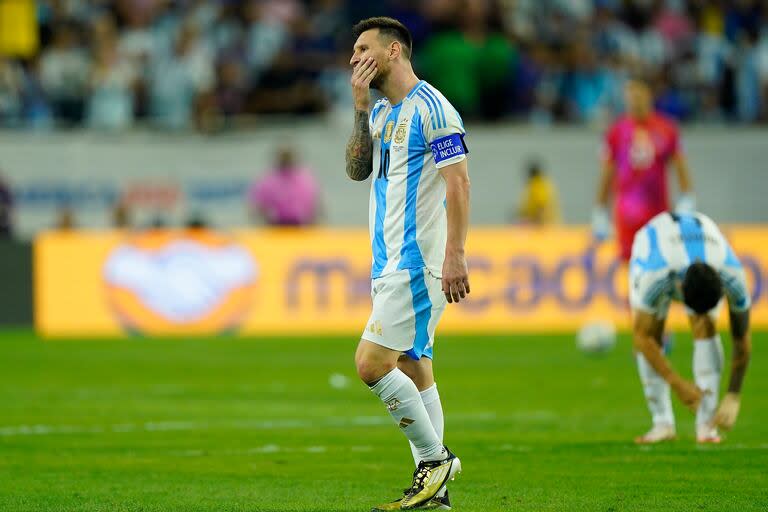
(254, 425)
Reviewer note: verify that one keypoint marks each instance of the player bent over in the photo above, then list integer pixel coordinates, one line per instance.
(413, 142)
(685, 257)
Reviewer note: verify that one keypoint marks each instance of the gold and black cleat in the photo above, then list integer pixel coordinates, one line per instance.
(436, 503)
(428, 479)
(393, 505)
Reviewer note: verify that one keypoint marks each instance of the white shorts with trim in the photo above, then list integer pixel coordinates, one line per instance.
(407, 305)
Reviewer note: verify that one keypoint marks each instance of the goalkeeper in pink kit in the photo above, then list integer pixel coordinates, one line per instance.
(638, 148)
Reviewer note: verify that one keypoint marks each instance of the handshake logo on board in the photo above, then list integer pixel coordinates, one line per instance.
(173, 284)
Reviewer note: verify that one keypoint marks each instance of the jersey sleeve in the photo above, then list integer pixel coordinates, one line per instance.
(651, 282)
(734, 281)
(651, 291)
(443, 129)
(728, 266)
(375, 111)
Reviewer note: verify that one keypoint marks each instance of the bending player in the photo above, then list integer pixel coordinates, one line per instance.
(685, 257)
(419, 216)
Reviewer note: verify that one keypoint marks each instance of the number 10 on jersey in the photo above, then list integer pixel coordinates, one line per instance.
(384, 165)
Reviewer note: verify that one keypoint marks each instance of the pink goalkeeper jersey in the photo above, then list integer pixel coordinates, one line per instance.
(640, 151)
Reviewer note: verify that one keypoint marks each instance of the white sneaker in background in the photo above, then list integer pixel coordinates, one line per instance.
(658, 434)
(707, 435)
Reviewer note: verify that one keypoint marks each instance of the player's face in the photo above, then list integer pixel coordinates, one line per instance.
(369, 44)
(637, 96)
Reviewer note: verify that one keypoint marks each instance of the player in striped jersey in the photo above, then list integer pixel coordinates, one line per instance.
(412, 141)
(685, 257)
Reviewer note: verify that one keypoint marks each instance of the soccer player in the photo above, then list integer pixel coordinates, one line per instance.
(638, 148)
(685, 257)
(412, 141)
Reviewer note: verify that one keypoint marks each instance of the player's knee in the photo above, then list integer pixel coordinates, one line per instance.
(407, 367)
(370, 371)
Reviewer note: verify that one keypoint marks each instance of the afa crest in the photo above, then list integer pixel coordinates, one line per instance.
(388, 132)
(400, 134)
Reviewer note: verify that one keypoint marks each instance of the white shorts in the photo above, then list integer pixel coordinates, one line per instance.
(407, 304)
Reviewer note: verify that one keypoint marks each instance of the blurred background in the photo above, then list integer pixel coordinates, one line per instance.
(211, 65)
(150, 114)
(176, 168)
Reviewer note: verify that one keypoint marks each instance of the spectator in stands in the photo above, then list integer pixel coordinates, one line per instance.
(539, 203)
(219, 108)
(137, 40)
(334, 82)
(110, 104)
(762, 66)
(37, 111)
(471, 63)
(289, 85)
(177, 80)
(286, 195)
(545, 60)
(749, 93)
(670, 100)
(6, 210)
(586, 86)
(266, 36)
(64, 71)
(11, 90)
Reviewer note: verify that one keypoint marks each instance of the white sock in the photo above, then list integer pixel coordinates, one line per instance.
(431, 399)
(657, 393)
(707, 367)
(403, 401)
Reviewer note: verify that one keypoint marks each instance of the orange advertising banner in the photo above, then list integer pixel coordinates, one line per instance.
(316, 281)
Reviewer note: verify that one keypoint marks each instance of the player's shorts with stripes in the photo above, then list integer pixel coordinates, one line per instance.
(407, 305)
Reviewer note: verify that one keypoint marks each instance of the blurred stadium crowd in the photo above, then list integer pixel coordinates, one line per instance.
(208, 64)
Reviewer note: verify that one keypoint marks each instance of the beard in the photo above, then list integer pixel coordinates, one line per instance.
(380, 80)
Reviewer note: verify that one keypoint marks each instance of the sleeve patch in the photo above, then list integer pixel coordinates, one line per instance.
(448, 147)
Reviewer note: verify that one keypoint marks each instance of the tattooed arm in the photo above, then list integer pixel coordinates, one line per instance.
(360, 148)
(360, 145)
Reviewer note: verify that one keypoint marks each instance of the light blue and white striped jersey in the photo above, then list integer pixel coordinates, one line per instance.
(665, 247)
(411, 141)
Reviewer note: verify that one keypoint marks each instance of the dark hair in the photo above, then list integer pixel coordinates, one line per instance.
(534, 169)
(702, 287)
(389, 27)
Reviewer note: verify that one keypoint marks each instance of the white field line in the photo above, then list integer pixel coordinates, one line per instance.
(272, 448)
(267, 448)
(175, 426)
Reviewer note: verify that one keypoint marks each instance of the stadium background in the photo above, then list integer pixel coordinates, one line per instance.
(171, 109)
